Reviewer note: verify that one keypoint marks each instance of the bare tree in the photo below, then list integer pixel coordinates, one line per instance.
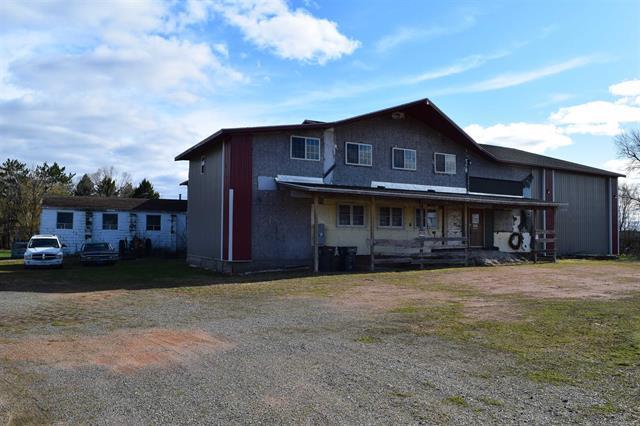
(628, 144)
(629, 206)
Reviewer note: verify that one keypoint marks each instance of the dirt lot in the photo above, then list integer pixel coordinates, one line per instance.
(159, 342)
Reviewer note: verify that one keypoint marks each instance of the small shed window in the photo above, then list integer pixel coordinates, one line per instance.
(153, 222)
(303, 148)
(359, 154)
(110, 221)
(64, 220)
(390, 217)
(444, 163)
(350, 215)
(404, 159)
(203, 163)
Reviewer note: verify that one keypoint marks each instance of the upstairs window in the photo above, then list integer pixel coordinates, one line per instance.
(153, 222)
(64, 220)
(303, 148)
(203, 163)
(359, 154)
(350, 215)
(404, 159)
(110, 221)
(390, 217)
(444, 163)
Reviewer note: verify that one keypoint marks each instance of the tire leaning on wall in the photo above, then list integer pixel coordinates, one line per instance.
(515, 240)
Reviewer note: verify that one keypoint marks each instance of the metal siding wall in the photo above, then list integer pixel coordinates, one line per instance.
(615, 225)
(204, 215)
(582, 227)
(240, 177)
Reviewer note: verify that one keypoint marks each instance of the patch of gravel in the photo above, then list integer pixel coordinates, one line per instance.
(287, 360)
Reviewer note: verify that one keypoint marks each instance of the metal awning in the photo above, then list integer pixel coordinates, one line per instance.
(496, 200)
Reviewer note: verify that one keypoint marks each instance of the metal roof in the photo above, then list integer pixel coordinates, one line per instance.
(516, 156)
(421, 195)
(115, 203)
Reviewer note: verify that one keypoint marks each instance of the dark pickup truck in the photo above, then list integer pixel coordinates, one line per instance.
(98, 254)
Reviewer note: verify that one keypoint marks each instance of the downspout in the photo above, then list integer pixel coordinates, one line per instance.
(467, 166)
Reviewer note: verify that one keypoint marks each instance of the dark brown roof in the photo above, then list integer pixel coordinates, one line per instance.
(497, 200)
(422, 109)
(516, 156)
(114, 203)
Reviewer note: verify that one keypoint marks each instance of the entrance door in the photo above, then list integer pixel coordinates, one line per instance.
(476, 228)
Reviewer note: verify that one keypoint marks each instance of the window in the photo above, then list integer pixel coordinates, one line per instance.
(109, 221)
(203, 163)
(427, 219)
(444, 163)
(305, 148)
(153, 222)
(359, 154)
(390, 217)
(349, 215)
(64, 220)
(404, 159)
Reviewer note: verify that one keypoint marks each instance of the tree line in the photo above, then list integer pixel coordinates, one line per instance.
(628, 145)
(23, 188)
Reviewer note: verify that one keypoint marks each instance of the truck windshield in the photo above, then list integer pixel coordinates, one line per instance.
(96, 247)
(43, 242)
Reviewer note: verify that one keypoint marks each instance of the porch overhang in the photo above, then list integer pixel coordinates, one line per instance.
(475, 199)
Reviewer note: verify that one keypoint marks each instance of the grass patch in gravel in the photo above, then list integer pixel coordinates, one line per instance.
(607, 408)
(457, 400)
(368, 340)
(491, 401)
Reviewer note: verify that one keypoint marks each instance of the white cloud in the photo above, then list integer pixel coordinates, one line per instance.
(290, 34)
(515, 79)
(596, 118)
(407, 34)
(626, 88)
(622, 166)
(530, 137)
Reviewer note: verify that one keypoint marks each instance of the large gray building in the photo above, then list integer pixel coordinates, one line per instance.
(403, 184)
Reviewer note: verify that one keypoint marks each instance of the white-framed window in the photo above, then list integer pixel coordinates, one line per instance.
(444, 163)
(153, 222)
(390, 217)
(403, 158)
(358, 154)
(427, 219)
(304, 148)
(350, 215)
(110, 221)
(203, 164)
(64, 220)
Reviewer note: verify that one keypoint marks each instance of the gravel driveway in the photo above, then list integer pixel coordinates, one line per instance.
(282, 351)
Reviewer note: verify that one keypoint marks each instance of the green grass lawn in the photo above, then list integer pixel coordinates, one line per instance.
(5, 254)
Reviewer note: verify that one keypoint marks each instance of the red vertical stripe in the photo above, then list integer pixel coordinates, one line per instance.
(225, 201)
(614, 217)
(241, 177)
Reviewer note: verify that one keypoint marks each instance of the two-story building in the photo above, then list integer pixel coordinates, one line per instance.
(403, 184)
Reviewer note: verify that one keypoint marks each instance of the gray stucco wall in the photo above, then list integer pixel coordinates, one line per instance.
(204, 208)
(583, 227)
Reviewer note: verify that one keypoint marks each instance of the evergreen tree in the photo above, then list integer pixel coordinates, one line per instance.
(145, 190)
(106, 187)
(84, 187)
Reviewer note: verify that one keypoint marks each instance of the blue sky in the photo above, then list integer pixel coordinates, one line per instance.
(130, 84)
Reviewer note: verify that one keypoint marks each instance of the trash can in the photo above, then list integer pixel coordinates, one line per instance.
(327, 254)
(348, 257)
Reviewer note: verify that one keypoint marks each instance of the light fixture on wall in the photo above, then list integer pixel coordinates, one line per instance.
(397, 115)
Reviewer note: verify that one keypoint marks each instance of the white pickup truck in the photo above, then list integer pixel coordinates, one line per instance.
(43, 250)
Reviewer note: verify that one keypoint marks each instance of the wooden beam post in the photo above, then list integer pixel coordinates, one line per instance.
(534, 235)
(372, 235)
(466, 234)
(555, 234)
(315, 235)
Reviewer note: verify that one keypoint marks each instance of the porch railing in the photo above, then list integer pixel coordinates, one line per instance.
(543, 244)
(440, 251)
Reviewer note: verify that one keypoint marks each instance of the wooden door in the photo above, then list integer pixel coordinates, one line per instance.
(476, 228)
